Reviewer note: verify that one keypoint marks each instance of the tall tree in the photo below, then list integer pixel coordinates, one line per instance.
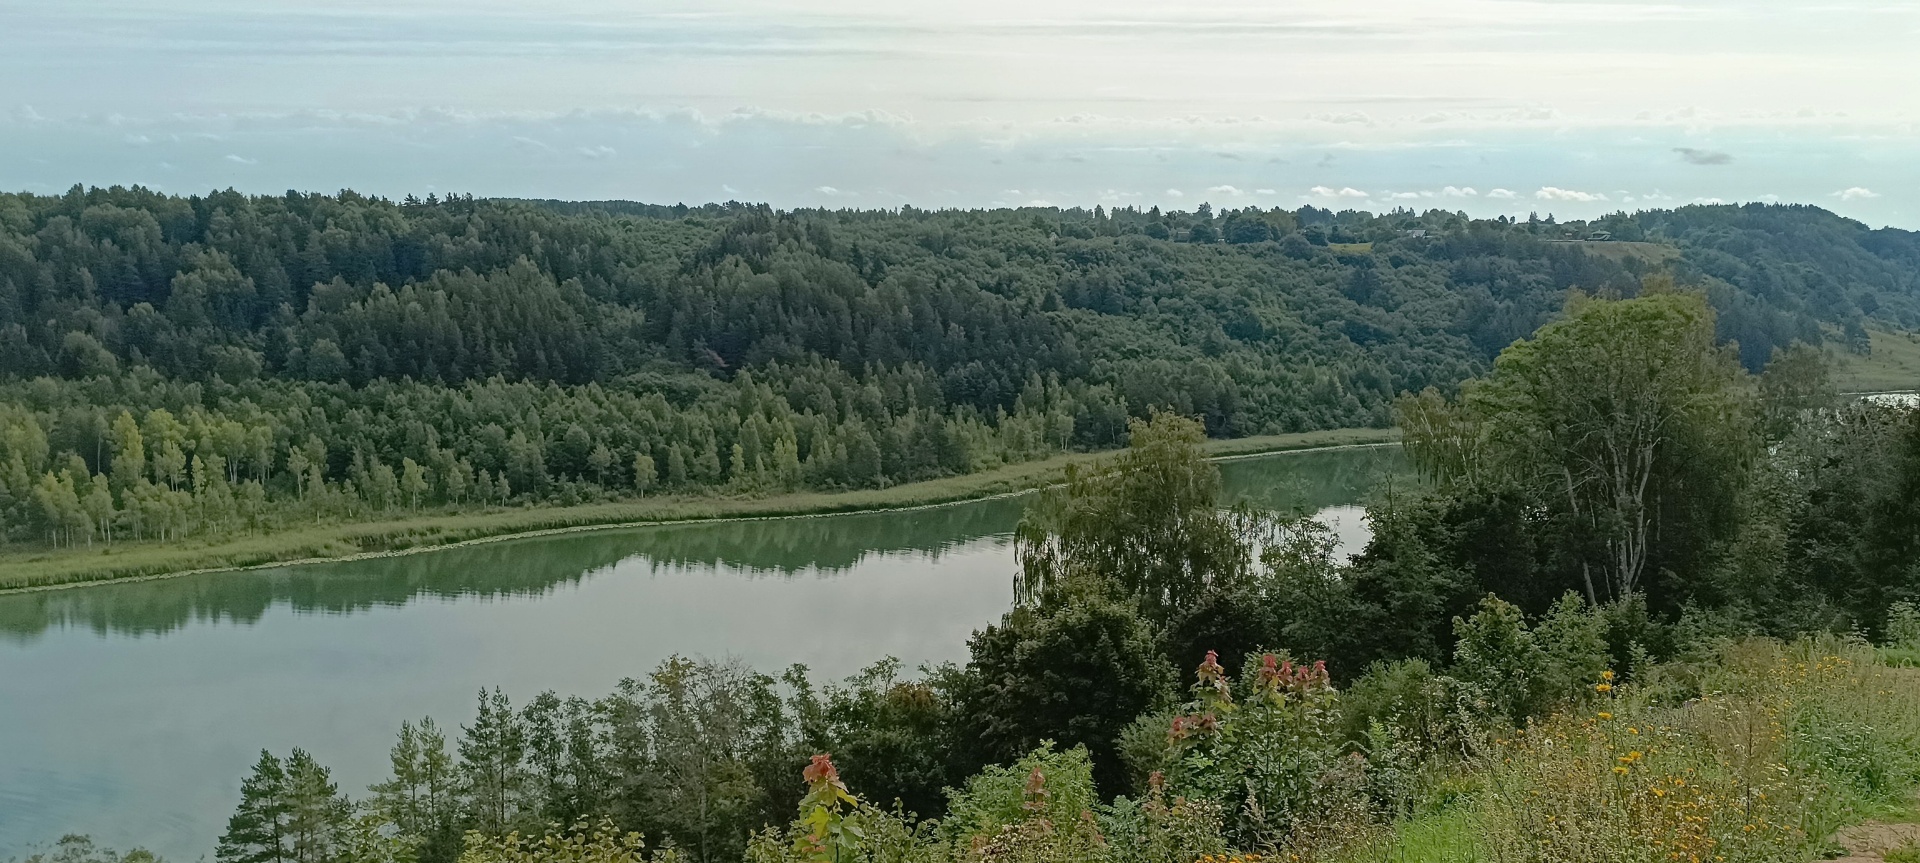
(259, 830)
(1624, 421)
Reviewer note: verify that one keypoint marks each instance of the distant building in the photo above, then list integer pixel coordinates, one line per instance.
(1415, 233)
(1599, 236)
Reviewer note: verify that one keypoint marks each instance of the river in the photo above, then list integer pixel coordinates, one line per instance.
(131, 712)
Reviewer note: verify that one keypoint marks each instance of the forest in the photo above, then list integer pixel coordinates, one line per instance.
(1666, 614)
(222, 366)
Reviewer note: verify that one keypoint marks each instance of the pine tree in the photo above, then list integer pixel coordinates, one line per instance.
(493, 764)
(317, 813)
(257, 831)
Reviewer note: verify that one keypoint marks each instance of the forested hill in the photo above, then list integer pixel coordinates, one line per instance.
(568, 347)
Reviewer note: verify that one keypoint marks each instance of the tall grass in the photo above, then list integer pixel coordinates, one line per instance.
(1756, 754)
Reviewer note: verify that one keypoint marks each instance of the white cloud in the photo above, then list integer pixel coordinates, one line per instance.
(1342, 192)
(1708, 201)
(601, 152)
(1555, 193)
(1459, 192)
(1408, 196)
(1175, 193)
(241, 160)
(1224, 190)
(1265, 192)
(829, 190)
(1857, 193)
(1344, 117)
(1502, 194)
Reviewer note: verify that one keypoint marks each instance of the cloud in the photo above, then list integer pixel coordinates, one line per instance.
(829, 190)
(1175, 193)
(1342, 192)
(1265, 192)
(1857, 193)
(1693, 156)
(601, 152)
(1459, 192)
(1502, 194)
(1344, 117)
(241, 160)
(1555, 193)
(1224, 190)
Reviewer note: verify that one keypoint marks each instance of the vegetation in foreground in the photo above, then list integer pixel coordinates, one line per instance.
(1631, 619)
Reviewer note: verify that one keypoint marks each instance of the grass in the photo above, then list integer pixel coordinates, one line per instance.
(1762, 752)
(414, 532)
(1892, 365)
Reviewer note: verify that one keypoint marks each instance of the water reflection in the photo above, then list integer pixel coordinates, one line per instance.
(525, 567)
(826, 546)
(131, 711)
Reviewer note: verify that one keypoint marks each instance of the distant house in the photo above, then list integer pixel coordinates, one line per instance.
(1599, 236)
(1415, 233)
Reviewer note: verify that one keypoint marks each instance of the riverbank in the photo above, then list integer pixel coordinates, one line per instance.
(403, 534)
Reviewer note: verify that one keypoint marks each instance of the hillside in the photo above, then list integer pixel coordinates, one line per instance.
(213, 365)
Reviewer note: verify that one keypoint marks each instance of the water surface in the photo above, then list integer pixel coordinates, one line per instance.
(132, 711)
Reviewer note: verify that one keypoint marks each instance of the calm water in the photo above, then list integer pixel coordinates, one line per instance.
(132, 711)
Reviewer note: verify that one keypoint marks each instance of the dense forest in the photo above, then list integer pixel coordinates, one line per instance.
(1625, 620)
(223, 365)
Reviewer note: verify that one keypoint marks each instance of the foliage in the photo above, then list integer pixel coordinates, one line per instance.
(75, 848)
(1621, 424)
(299, 358)
(1075, 673)
(1144, 525)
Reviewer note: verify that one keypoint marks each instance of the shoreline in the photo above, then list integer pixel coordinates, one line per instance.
(1028, 477)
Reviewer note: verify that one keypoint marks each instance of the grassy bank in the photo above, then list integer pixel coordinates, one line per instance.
(413, 532)
(1893, 364)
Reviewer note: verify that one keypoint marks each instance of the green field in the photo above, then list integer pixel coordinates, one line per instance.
(403, 533)
(1893, 364)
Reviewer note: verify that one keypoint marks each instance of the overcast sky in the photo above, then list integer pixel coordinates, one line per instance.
(1492, 106)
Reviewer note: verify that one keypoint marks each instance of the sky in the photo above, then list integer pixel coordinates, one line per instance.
(1571, 107)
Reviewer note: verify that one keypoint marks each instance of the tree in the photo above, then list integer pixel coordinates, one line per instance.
(644, 474)
(259, 831)
(318, 815)
(493, 771)
(598, 461)
(75, 848)
(1146, 524)
(413, 481)
(1076, 670)
(1796, 381)
(1624, 421)
(129, 451)
(418, 799)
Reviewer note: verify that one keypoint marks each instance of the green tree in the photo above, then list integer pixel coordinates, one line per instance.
(1075, 670)
(1796, 381)
(259, 831)
(418, 799)
(1624, 421)
(413, 482)
(1146, 524)
(318, 815)
(493, 770)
